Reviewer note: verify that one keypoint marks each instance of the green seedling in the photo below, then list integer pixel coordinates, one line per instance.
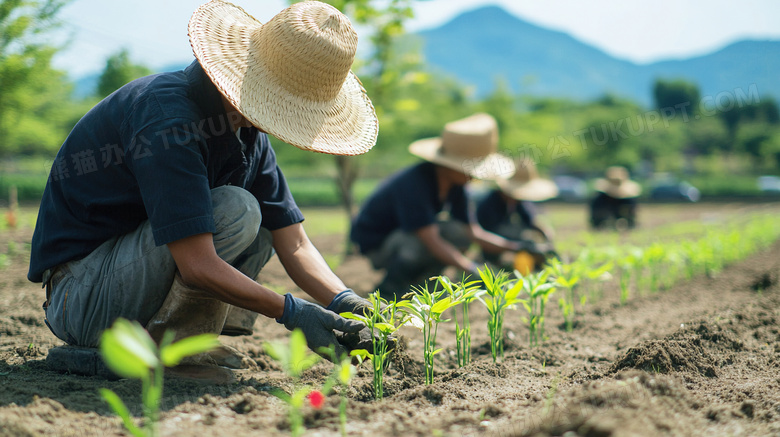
(627, 265)
(383, 321)
(638, 254)
(653, 258)
(539, 289)
(597, 276)
(343, 372)
(464, 292)
(500, 294)
(565, 276)
(130, 352)
(424, 309)
(294, 359)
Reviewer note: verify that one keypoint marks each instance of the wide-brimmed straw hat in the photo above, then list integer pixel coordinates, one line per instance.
(617, 184)
(291, 76)
(526, 184)
(469, 145)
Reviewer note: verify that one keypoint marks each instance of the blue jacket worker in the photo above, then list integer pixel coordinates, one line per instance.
(166, 200)
(615, 205)
(510, 210)
(418, 221)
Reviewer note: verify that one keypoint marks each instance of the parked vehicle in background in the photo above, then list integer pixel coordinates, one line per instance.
(571, 188)
(670, 188)
(769, 184)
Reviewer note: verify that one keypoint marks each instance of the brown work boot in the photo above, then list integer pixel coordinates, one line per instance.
(239, 321)
(201, 373)
(189, 311)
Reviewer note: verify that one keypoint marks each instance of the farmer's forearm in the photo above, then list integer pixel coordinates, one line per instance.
(491, 242)
(201, 267)
(443, 250)
(305, 265)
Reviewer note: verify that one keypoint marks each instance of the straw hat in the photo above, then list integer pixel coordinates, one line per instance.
(526, 184)
(469, 145)
(291, 76)
(617, 184)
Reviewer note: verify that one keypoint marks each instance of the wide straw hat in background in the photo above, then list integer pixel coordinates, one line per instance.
(616, 184)
(469, 145)
(526, 184)
(291, 76)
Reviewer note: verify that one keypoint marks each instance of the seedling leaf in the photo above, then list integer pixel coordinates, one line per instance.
(125, 351)
(121, 410)
(172, 355)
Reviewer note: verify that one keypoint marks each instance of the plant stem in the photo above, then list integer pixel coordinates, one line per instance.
(343, 411)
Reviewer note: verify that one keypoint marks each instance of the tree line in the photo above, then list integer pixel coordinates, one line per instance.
(683, 132)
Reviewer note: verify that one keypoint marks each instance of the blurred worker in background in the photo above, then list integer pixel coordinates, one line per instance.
(418, 221)
(615, 205)
(509, 211)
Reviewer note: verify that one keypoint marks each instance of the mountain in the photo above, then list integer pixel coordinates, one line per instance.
(480, 46)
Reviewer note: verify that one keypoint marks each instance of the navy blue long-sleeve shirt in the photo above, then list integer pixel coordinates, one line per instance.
(152, 150)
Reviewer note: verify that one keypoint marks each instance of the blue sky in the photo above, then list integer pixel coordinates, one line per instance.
(155, 31)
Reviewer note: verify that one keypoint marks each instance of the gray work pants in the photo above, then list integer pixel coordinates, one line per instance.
(408, 262)
(129, 276)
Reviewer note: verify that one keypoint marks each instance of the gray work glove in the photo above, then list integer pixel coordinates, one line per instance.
(317, 323)
(349, 301)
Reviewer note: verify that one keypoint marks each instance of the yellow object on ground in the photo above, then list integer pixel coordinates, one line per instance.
(524, 262)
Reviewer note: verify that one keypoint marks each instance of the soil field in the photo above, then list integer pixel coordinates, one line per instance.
(700, 358)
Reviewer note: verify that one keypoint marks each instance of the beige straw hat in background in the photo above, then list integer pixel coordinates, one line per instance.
(526, 184)
(291, 76)
(469, 145)
(617, 184)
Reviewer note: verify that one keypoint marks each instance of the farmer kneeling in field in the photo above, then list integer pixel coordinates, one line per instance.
(165, 201)
(614, 207)
(418, 221)
(510, 212)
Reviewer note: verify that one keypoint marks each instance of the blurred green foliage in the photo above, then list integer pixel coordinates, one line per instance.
(119, 70)
(697, 138)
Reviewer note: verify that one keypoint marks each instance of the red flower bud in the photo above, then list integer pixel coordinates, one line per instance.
(316, 399)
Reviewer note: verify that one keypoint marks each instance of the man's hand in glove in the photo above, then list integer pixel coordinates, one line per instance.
(349, 302)
(317, 324)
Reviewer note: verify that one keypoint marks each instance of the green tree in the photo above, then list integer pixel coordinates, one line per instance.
(119, 71)
(676, 95)
(33, 96)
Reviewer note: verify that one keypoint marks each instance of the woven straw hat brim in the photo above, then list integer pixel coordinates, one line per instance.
(221, 34)
(625, 190)
(491, 167)
(535, 190)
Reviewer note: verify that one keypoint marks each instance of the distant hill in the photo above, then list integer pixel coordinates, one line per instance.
(479, 46)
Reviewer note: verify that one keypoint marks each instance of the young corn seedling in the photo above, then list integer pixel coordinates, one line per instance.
(654, 256)
(500, 294)
(596, 276)
(424, 309)
(626, 265)
(382, 321)
(539, 289)
(464, 292)
(294, 359)
(342, 374)
(639, 266)
(566, 276)
(130, 352)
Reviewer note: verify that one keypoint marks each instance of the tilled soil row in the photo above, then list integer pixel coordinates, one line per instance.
(702, 358)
